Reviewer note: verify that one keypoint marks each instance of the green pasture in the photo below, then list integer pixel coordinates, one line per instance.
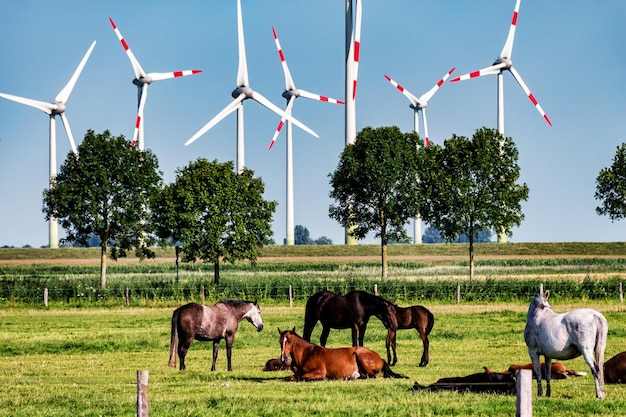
(83, 362)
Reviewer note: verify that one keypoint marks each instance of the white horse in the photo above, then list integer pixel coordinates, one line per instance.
(565, 336)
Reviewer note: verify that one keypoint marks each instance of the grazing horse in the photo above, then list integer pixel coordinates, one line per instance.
(310, 362)
(414, 317)
(351, 311)
(565, 336)
(210, 323)
(615, 369)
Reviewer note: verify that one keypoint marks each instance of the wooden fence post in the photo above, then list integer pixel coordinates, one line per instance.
(458, 293)
(290, 296)
(621, 293)
(127, 297)
(203, 295)
(375, 289)
(45, 297)
(142, 394)
(524, 388)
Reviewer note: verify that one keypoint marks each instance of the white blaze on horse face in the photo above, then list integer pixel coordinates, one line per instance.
(254, 316)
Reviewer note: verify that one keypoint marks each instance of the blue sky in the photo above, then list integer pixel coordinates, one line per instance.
(568, 52)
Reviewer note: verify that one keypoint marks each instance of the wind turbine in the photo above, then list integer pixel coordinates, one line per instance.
(242, 92)
(501, 64)
(419, 105)
(57, 108)
(290, 94)
(142, 81)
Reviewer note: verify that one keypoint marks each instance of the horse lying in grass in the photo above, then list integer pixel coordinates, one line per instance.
(488, 381)
(615, 369)
(558, 370)
(310, 362)
(275, 364)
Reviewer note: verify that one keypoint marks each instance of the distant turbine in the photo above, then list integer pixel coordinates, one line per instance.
(142, 81)
(290, 94)
(419, 105)
(242, 92)
(54, 109)
(503, 63)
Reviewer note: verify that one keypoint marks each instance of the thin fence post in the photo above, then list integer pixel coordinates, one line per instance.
(45, 297)
(290, 296)
(202, 295)
(375, 289)
(127, 297)
(621, 293)
(458, 293)
(142, 394)
(524, 401)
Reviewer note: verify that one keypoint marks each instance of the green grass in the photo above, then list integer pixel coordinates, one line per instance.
(84, 363)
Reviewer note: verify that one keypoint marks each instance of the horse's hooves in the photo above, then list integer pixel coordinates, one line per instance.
(422, 364)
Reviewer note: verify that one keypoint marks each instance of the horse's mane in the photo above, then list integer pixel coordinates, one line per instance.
(236, 303)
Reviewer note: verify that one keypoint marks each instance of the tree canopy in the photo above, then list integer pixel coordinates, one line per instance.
(105, 191)
(611, 187)
(374, 185)
(216, 214)
(469, 185)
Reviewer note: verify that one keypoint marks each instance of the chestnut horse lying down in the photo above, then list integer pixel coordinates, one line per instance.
(276, 364)
(559, 371)
(311, 362)
(615, 369)
(488, 381)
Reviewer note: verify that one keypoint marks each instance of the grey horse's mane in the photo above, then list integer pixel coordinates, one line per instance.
(236, 303)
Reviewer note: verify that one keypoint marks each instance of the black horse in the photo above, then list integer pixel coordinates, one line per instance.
(351, 311)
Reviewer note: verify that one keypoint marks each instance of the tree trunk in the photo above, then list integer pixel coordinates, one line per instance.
(383, 254)
(103, 265)
(383, 244)
(216, 272)
(471, 254)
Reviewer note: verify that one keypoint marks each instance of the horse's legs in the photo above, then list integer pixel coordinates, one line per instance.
(594, 367)
(324, 336)
(534, 356)
(183, 347)
(391, 341)
(361, 332)
(309, 325)
(426, 343)
(548, 375)
(216, 346)
(229, 351)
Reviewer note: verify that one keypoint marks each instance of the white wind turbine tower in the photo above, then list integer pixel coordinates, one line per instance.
(142, 81)
(57, 108)
(419, 105)
(242, 92)
(290, 94)
(501, 64)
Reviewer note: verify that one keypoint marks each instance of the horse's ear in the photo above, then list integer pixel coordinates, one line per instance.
(547, 294)
(279, 331)
(293, 330)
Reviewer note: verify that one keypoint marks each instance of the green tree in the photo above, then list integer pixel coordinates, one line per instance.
(469, 185)
(301, 235)
(216, 214)
(104, 191)
(374, 185)
(611, 187)
(323, 240)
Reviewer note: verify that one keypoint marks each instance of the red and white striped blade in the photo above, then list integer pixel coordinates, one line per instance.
(292, 100)
(139, 72)
(64, 94)
(158, 76)
(215, 120)
(242, 70)
(139, 120)
(428, 95)
(425, 123)
(529, 94)
(357, 45)
(494, 69)
(268, 104)
(313, 96)
(414, 101)
(289, 84)
(507, 50)
(68, 131)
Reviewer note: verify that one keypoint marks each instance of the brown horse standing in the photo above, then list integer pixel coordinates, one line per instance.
(210, 323)
(311, 362)
(351, 311)
(414, 317)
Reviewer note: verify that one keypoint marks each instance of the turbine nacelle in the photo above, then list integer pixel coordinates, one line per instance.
(245, 90)
(508, 62)
(140, 82)
(59, 108)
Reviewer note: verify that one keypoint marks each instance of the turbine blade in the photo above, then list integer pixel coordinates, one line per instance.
(68, 131)
(519, 80)
(139, 120)
(430, 93)
(426, 139)
(414, 101)
(507, 50)
(268, 104)
(357, 45)
(139, 72)
(41, 105)
(242, 71)
(289, 84)
(313, 96)
(64, 94)
(215, 120)
(158, 76)
(292, 100)
(494, 69)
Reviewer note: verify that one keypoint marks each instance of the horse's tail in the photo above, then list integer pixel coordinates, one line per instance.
(310, 317)
(431, 321)
(601, 335)
(174, 340)
(388, 373)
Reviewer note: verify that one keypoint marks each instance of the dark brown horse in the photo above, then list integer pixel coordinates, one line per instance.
(615, 369)
(214, 323)
(414, 317)
(311, 362)
(351, 311)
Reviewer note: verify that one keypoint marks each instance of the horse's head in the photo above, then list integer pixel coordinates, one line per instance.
(253, 315)
(540, 302)
(387, 315)
(286, 343)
